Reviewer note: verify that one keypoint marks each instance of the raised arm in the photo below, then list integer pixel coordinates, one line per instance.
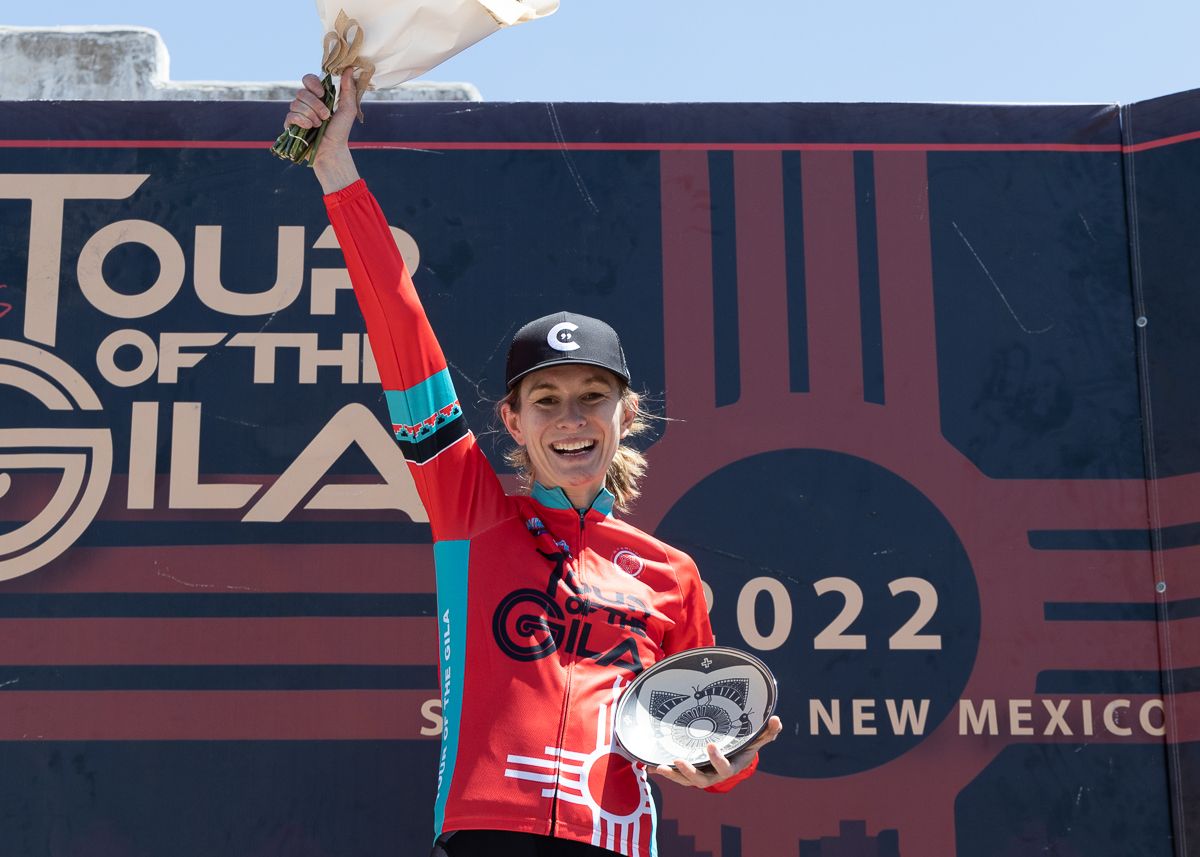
(334, 165)
(457, 484)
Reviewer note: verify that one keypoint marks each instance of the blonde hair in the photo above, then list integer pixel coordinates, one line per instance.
(624, 471)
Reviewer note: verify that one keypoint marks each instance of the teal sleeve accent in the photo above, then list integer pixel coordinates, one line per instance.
(421, 401)
(451, 560)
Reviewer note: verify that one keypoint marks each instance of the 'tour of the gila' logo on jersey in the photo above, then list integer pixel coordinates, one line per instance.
(530, 624)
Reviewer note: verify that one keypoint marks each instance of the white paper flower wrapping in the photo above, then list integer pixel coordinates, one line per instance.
(406, 38)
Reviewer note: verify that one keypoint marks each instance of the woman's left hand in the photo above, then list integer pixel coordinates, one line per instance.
(687, 774)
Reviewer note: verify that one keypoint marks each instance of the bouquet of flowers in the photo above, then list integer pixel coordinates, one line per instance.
(391, 41)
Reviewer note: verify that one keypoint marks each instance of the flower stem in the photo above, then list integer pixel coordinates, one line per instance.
(299, 145)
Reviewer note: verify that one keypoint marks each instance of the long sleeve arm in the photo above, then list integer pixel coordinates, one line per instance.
(457, 484)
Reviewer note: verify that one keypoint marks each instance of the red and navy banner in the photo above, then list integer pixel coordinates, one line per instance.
(929, 376)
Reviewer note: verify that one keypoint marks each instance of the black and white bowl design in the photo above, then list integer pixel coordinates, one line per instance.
(674, 709)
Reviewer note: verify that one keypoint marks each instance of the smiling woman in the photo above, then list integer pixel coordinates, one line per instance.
(576, 601)
(575, 415)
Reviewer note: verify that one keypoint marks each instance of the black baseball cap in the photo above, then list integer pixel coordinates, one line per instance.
(561, 338)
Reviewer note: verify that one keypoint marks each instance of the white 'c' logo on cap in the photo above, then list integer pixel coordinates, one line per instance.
(560, 339)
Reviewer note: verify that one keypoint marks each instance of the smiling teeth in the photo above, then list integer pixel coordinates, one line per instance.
(572, 447)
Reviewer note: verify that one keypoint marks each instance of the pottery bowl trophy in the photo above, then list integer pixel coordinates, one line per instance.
(676, 708)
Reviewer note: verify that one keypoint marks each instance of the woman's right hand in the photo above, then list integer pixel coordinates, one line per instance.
(333, 164)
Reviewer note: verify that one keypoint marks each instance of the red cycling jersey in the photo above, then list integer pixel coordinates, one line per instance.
(545, 612)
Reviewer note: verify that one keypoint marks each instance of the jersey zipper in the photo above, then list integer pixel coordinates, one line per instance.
(570, 668)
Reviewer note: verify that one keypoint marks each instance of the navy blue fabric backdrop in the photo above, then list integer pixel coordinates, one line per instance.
(928, 372)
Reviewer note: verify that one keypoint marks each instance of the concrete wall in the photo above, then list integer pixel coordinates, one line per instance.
(123, 63)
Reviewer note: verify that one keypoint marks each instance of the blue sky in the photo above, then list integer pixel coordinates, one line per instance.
(703, 50)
